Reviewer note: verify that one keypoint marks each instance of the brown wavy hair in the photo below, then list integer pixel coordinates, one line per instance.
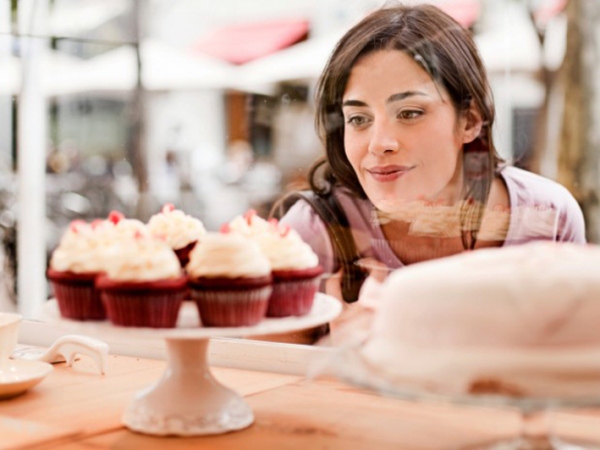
(447, 52)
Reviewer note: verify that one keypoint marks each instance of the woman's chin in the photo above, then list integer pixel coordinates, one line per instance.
(393, 204)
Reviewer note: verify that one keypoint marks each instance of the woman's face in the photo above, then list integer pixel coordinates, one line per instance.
(402, 134)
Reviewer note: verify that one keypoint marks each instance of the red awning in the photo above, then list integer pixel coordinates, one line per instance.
(239, 44)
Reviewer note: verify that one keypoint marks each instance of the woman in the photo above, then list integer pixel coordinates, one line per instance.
(406, 113)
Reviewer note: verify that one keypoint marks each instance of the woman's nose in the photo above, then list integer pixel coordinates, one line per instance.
(383, 139)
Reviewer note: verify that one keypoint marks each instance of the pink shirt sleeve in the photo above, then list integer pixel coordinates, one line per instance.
(533, 197)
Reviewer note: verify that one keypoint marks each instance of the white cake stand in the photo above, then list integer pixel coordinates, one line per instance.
(187, 400)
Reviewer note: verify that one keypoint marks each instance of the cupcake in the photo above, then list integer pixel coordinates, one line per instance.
(74, 266)
(178, 229)
(249, 225)
(295, 267)
(144, 285)
(229, 280)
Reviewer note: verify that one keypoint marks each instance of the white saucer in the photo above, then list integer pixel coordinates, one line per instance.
(18, 375)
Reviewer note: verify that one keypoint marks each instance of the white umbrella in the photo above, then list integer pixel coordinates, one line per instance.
(59, 70)
(69, 18)
(163, 68)
(61, 73)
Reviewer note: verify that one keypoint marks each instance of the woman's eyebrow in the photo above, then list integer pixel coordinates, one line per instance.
(392, 98)
(402, 95)
(353, 103)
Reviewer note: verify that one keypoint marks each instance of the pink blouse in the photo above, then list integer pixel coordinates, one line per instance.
(530, 196)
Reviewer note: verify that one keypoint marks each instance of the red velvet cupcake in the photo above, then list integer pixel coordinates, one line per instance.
(231, 302)
(177, 229)
(144, 285)
(76, 295)
(75, 264)
(229, 280)
(296, 269)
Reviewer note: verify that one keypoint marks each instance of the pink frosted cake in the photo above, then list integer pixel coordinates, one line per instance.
(143, 285)
(517, 320)
(229, 280)
(296, 269)
(179, 230)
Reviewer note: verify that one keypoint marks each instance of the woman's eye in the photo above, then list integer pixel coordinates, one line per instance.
(356, 120)
(409, 114)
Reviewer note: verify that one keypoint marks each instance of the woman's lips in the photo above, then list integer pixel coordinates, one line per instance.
(388, 173)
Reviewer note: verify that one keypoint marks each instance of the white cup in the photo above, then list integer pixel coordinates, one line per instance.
(9, 333)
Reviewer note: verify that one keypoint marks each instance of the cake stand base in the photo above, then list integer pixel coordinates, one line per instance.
(187, 400)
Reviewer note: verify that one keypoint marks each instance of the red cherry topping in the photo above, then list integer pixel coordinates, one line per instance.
(75, 225)
(115, 216)
(96, 223)
(168, 207)
(284, 230)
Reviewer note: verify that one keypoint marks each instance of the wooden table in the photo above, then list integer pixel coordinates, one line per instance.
(76, 408)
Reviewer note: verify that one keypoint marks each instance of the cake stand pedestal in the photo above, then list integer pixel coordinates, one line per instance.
(187, 400)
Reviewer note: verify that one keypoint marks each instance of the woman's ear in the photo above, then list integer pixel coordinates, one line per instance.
(472, 124)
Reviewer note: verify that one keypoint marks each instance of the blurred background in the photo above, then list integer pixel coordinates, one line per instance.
(128, 104)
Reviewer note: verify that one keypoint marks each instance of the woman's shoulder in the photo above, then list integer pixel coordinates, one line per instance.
(530, 188)
(531, 193)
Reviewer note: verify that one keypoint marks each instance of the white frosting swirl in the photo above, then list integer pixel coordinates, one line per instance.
(127, 228)
(282, 245)
(82, 248)
(249, 225)
(142, 259)
(176, 228)
(227, 255)
(89, 248)
(286, 250)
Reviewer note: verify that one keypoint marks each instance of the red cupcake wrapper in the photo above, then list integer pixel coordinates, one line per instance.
(231, 308)
(292, 298)
(143, 310)
(76, 295)
(293, 292)
(153, 304)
